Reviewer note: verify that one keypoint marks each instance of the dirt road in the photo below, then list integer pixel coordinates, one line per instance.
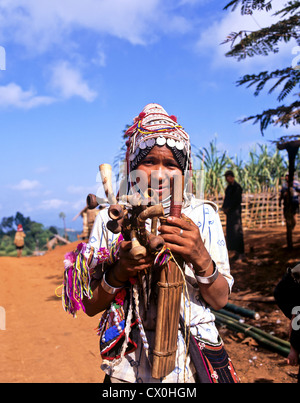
(42, 343)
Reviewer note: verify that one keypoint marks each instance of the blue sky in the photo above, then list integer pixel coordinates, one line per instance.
(77, 72)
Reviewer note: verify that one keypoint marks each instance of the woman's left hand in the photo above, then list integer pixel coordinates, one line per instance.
(182, 237)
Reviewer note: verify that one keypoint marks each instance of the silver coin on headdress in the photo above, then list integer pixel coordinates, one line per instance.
(161, 141)
(179, 145)
(171, 143)
(142, 145)
(150, 142)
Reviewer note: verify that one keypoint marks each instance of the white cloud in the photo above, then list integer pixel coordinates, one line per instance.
(26, 184)
(68, 82)
(13, 95)
(53, 204)
(40, 24)
(100, 58)
(81, 190)
(210, 40)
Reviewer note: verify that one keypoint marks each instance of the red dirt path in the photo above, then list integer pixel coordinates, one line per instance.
(42, 343)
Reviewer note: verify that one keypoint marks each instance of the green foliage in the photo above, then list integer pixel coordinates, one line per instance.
(36, 235)
(264, 168)
(247, 6)
(215, 164)
(262, 42)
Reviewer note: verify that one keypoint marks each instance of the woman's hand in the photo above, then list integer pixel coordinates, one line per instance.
(183, 238)
(126, 266)
(116, 276)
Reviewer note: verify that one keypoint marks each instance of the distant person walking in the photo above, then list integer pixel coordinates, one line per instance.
(19, 240)
(232, 209)
(294, 200)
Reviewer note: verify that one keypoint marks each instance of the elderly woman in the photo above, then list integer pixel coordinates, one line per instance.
(158, 149)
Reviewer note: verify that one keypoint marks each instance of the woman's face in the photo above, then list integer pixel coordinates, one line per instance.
(159, 166)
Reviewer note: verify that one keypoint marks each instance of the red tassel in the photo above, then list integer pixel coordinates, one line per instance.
(142, 115)
(173, 118)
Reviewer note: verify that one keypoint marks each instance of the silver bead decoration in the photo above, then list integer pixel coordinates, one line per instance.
(161, 141)
(179, 145)
(150, 142)
(171, 143)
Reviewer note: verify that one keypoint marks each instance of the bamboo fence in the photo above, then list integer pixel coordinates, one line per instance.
(258, 209)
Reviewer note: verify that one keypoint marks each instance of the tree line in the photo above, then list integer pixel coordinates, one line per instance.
(37, 235)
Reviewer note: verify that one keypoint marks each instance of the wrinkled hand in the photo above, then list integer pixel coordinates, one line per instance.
(126, 266)
(182, 237)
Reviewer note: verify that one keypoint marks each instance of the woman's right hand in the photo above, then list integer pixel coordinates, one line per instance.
(116, 276)
(126, 266)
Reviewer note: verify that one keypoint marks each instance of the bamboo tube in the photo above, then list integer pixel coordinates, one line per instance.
(275, 343)
(149, 212)
(176, 201)
(230, 314)
(155, 242)
(169, 298)
(137, 251)
(106, 176)
(168, 307)
(261, 332)
(91, 201)
(115, 211)
(243, 311)
(154, 223)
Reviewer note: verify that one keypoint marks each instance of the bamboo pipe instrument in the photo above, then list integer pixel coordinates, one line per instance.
(137, 251)
(106, 176)
(115, 211)
(153, 241)
(91, 201)
(149, 212)
(168, 306)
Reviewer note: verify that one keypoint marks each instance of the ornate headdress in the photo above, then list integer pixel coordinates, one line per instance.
(153, 127)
